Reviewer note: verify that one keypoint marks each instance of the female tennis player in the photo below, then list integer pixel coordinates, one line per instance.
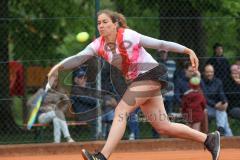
(124, 49)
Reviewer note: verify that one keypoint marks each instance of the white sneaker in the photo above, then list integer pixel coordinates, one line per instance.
(70, 140)
(132, 136)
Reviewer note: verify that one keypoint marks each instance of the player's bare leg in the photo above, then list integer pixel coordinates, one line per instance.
(127, 105)
(155, 112)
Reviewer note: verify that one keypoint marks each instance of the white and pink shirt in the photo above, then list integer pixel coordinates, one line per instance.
(129, 55)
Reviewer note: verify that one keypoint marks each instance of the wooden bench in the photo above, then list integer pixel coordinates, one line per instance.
(69, 123)
(38, 129)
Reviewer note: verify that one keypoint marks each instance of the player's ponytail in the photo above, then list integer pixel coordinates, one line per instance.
(115, 17)
(121, 20)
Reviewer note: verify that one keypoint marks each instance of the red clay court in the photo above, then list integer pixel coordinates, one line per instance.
(166, 149)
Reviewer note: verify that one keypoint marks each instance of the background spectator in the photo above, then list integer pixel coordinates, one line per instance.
(53, 108)
(182, 82)
(220, 63)
(84, 105)
(216, 100)
(109, 104)
(194, 103)
(80, 102)
(171, 67)
(233, 92)
(235, 73)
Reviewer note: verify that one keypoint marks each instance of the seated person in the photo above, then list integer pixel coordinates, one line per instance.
(193, 104)
(235, 73)
(233, 93)
(83, 102)
(53, 108)
(217, 102)
(182, 82)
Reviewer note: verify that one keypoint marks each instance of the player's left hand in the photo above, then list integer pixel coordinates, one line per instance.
(193, 58)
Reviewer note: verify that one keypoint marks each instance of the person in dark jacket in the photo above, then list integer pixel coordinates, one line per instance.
(217, 102)
(233, 93)
(182, 82)
(81, 103)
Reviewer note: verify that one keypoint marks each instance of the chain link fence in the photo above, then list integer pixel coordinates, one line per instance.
(36, 35)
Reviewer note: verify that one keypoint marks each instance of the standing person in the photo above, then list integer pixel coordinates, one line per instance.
(52, 109)
(193, 104)
(171, 67)
(123, 48)
(220, 64)
(182, 86)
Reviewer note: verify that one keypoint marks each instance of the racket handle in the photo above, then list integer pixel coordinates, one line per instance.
(49, 83)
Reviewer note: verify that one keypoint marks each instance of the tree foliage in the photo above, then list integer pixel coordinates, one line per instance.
(41, 30)
(45, 30)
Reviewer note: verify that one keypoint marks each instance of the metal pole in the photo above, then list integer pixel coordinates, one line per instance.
(99, 118)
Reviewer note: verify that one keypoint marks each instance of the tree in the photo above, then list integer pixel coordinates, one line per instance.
(41, 32)
(32, 31)
(180, 22)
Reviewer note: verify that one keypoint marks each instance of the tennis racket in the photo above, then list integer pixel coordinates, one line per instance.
(37, 103)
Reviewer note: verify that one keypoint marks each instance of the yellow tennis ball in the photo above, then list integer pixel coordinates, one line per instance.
(195, 80)
(82, 36)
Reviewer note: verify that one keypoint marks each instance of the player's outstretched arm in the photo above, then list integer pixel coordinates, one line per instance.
(71, 62)
(153, 43)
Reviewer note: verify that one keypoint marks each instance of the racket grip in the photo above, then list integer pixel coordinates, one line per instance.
(48, 86)
(49, 83)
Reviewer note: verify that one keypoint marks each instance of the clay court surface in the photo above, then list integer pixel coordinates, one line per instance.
(170, 149)
(226, 154)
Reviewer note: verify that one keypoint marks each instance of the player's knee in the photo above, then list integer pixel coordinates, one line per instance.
(163, 131)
